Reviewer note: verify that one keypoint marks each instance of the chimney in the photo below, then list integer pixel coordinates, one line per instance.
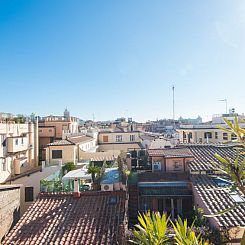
(76, 192)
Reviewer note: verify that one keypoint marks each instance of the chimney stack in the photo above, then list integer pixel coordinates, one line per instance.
(76, 192)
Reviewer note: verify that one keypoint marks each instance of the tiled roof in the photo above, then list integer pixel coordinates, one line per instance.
(99, 156)
(204, 158)
(171, 152)
(72, 140)
(148, 137)
(61, 142)
(59, 218)
(80, 139)
(216, 199)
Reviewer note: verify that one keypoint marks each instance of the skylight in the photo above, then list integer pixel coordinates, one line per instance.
(237, 198)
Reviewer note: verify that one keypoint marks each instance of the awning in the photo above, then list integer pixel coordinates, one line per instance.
(77, 174)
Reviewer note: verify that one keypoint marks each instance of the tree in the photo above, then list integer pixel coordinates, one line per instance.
(234, 168)
(185, 235)
(122, 163)
(68, 167)
(93, 170)
(151, 229)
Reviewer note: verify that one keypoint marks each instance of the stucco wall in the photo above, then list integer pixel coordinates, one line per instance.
(32, 181)
(118, 147)
(125, 137)
(9, 208)
(198, 134)
(27, 147)
(69, 153)
(170, 163)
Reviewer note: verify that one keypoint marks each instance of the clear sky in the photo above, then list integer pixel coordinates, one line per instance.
(120, 58)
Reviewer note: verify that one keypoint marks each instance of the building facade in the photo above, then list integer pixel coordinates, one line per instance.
(160, 182)
(53, 128)
(119, 140)
(70, 149)
(210, 132)
(18, 148)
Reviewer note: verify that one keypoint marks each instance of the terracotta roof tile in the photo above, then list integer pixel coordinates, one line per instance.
(80, 139)
(216, 199)
(60, 218)
(204, 159)
(72, 140)
(171, 152)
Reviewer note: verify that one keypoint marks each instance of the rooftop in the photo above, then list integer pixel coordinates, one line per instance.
(60, 218)
(204, 159)
(217, 198)
(72, 140)
(100, 156)
(171, 152)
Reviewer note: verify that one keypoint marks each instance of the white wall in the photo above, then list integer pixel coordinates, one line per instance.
(32, 181)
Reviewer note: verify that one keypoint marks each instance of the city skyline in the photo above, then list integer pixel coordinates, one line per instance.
(115, 59)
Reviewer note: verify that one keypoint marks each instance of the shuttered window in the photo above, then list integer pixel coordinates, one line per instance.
(56, 154)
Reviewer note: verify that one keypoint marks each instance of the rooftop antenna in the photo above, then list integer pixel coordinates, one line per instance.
(225, 100)
(173, 103)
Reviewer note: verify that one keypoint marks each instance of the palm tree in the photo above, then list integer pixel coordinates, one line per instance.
(185, 235)
(151, 229)
(93, 170)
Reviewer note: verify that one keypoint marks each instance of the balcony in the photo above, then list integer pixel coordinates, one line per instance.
(21, 165)
(17, 144)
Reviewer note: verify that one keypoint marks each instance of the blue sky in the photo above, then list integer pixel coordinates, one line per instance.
(120, 58)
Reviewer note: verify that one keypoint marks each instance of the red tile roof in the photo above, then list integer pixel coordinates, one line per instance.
(216, 199)
(72, 140)
(59, 218)
(80, 139)
(204, 159)
(171, 152)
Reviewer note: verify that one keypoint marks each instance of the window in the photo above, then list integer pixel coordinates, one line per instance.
(16, 141)
(216, 135)
(207, 135)
(177, 166)
(22, 141)
(56, 154)
(2, 164)
(156, 166)
(233, 137)
(50, 130)
(29, 194)
(225, 136)
(118, 138)
(40, 131)
(132, 137)
(105, 138)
